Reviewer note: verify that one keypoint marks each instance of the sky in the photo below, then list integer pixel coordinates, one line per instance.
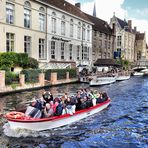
(135, 10)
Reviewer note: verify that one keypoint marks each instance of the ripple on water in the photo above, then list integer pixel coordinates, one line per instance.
(123, 124)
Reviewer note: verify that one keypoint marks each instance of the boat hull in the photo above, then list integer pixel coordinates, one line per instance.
(102, 81)
(121, 78)
(57, 121)
(138, 74)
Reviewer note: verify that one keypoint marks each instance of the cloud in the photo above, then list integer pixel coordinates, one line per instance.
(72, 1)
(106, 8)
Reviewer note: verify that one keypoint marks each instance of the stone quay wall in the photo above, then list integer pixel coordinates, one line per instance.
(41, 82)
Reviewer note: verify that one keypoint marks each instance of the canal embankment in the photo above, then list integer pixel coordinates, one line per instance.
(42, 83)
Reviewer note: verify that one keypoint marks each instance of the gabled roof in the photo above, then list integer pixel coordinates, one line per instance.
(67, 7)
(122, 23)
(140, 36)
(100, 25)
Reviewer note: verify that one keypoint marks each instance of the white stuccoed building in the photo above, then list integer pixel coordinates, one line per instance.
(69, 35)
(55, 32)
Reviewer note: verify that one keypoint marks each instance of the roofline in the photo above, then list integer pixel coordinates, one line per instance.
(65, 11)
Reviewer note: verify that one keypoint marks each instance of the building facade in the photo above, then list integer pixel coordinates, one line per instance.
(103, 39)
(56, 33)
(19, 32)
(68, 35)
(140, 46)
(125, 39)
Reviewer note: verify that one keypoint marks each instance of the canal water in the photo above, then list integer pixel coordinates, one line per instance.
(124, 124)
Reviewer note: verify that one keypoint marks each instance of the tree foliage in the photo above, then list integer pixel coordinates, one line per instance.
(11, 59)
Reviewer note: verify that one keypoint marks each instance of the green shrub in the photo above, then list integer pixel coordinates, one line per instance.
(31, 75)
(11, 78)
(61, 73)
(32, 63)
(72, 73)
(11, 59)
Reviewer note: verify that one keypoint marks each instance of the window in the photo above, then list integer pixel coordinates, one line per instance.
(42, 19)
(52, 49)
(119, 52)
(79, 31)
(83, 36)
(85, 53)
(100, 35)
(9, 42)
(71, 28)
(106, 36)
(27, 15)
(9, 13)
(105, 44)
(88, 33)
(78, 52)
(63, 25)
(42, 53)
(100, 44)
(62, 50)
(53, 23)
(70, 51)
(118, 40)
(27, 44)
(109, 45)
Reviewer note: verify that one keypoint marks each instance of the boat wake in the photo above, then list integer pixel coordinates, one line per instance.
(30, 133)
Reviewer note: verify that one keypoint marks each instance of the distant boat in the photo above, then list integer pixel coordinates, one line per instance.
(17, 120)
(102, 80)
(123, 76)
(145, 71)
(138, 71)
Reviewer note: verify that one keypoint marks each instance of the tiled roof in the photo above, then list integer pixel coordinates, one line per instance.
(122, 23)
(100, 25)
(140, 36)
(67, 7)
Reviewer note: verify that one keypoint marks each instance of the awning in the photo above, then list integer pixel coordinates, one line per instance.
(106, 62)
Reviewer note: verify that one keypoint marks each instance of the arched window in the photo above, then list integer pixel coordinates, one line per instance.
(27, 14)
(53, 22)
(42, 19)
(42, 10)
(79, 30)
(71, 28)
(27, 4)
(83, 32)
(63, 25)
(10, 13)
(88, 33)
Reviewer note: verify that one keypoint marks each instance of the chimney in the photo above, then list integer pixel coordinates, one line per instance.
(78, 5)
(130, 24)
(135, 28)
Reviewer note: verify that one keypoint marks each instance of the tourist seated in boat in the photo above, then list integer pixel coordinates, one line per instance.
(47, 96)
(84, 104)
(69, 105)
(35, 108)
(48, 111)
(102, 97)
(59, 109)
(105, 96)
(78, 98)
